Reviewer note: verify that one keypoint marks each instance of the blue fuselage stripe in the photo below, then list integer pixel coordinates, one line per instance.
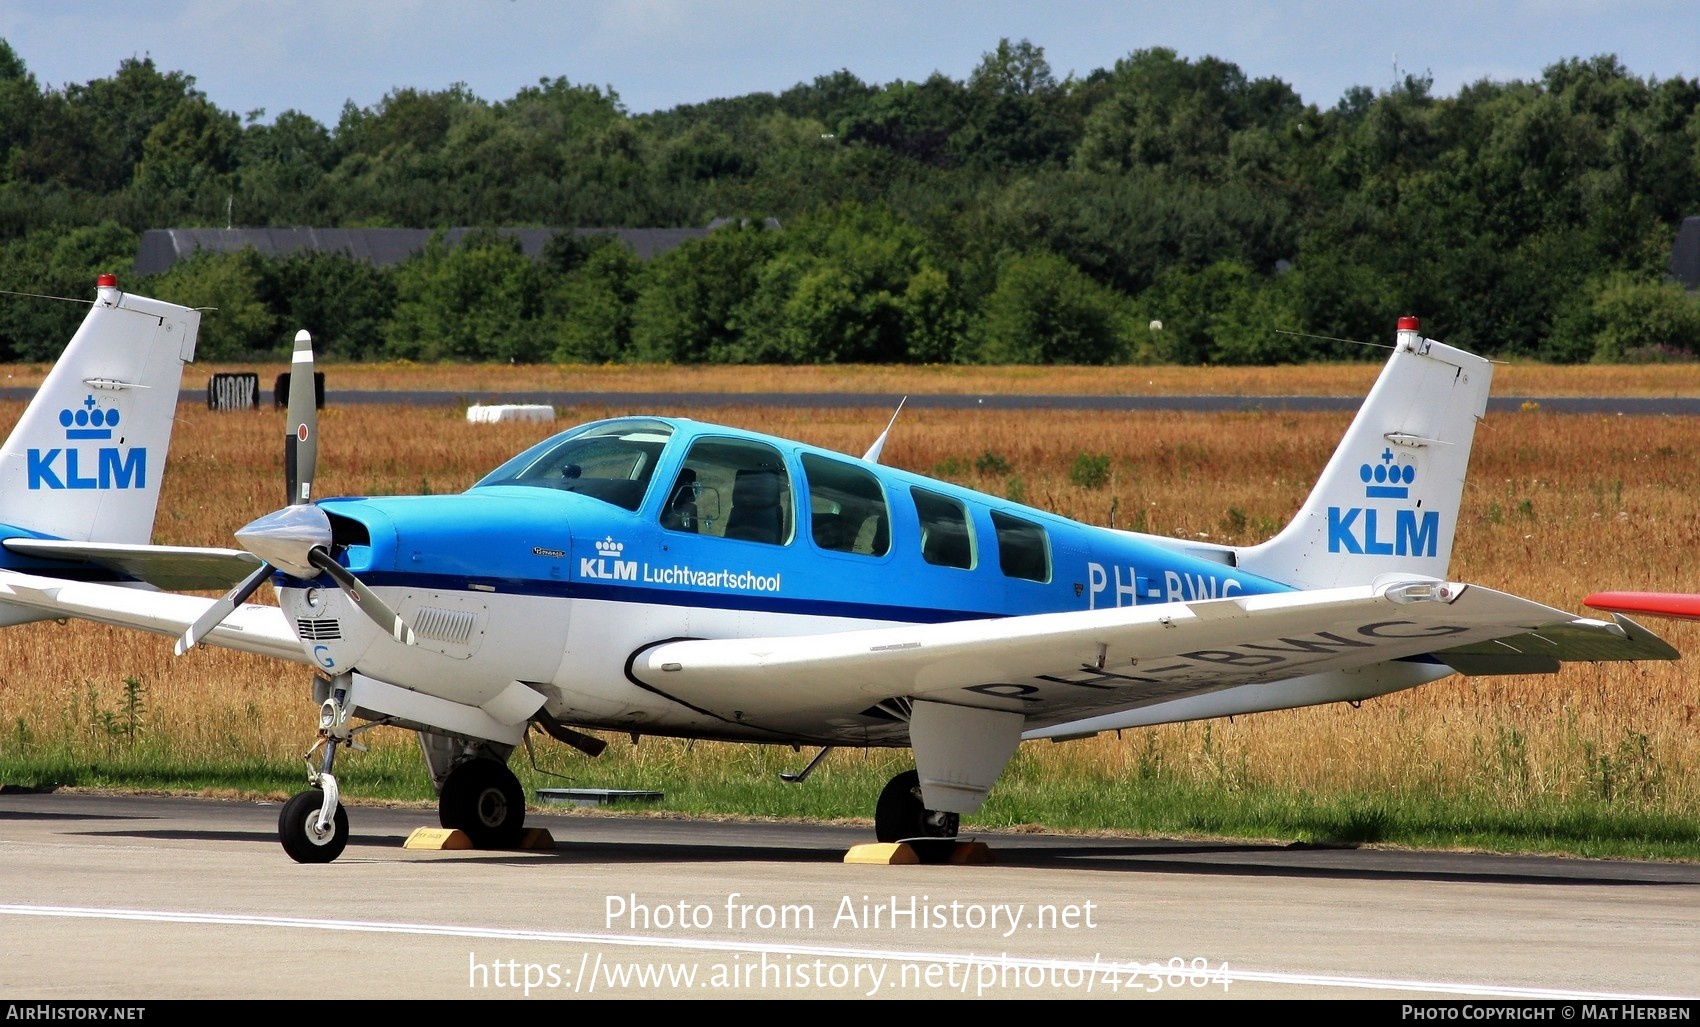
(706, 600)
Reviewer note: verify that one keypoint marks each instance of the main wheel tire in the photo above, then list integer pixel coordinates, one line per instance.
(900, 816)
(297, 829)
(899, 813)
(484, 799)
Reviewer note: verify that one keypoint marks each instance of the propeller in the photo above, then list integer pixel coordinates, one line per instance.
(296, 540)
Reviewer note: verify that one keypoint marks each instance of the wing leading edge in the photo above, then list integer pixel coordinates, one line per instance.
(1059, 668)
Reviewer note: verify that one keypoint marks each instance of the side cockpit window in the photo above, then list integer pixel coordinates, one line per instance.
(1024, 550)
(731, 488)
(611, 461)
(946, 538)
(847, 511)
(680, 513)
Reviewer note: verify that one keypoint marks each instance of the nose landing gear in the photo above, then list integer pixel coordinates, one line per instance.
(313, 826)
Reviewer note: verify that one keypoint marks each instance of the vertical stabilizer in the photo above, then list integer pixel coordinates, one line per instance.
(85, 460)
(1388, 500)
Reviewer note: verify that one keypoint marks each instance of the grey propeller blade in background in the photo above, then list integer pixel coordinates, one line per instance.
(301, 445)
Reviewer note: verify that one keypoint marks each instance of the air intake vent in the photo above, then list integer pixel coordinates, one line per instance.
(318, 630)
(453, 626)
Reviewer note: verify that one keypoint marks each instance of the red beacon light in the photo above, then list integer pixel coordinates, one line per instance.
(1410, 324)
(107, 281)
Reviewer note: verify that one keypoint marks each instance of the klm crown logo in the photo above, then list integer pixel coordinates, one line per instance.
(606, 564)
(90, 422)
(1383, 480)
(69, 468)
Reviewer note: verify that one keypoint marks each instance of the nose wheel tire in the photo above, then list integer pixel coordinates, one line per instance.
(298, 829)
(483, 798)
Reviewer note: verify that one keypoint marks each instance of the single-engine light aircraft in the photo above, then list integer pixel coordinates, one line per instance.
(663, 576)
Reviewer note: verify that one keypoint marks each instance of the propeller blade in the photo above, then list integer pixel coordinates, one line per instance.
(301, 445)
(368, 601)
(215, 614)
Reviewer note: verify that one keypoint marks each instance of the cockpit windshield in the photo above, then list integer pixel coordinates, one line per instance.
(610, 460)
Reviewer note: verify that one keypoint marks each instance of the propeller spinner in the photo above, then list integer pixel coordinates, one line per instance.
(296, 540)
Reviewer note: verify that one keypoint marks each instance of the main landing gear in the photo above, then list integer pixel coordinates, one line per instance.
(899, 816)
(483, 798)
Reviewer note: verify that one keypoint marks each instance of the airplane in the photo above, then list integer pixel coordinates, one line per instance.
(657, 575)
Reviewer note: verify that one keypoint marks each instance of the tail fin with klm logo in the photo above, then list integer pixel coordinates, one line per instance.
(1388, 500)
(85, 460)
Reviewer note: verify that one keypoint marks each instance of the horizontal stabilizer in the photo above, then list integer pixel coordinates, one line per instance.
(251, 629)
(1544, 651)
(172, 568)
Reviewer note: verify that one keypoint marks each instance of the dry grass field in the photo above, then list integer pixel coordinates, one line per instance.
(1343, 379)
(1557, 506)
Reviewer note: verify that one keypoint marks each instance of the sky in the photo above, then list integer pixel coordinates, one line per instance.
(316, 55)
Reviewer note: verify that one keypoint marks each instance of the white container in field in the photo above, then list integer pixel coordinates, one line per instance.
(496, 414)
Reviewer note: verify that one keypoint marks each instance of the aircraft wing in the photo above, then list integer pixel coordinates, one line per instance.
(172, 568)
(1060, 667)
(252, 628)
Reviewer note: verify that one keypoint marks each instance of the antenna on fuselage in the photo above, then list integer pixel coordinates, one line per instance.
(872, 456)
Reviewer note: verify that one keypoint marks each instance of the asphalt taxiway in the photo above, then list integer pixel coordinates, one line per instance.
(127, 899)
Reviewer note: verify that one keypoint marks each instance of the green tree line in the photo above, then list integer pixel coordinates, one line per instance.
(1160, 210)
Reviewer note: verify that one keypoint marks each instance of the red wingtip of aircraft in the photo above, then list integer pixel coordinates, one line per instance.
(1660, 604)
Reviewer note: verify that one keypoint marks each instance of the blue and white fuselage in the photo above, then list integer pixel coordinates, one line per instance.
(634, 575)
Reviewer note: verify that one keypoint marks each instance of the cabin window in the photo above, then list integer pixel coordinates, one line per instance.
(847, 511)
(946, 539)
(731, 488)
(1024, 551)
(612, 461)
